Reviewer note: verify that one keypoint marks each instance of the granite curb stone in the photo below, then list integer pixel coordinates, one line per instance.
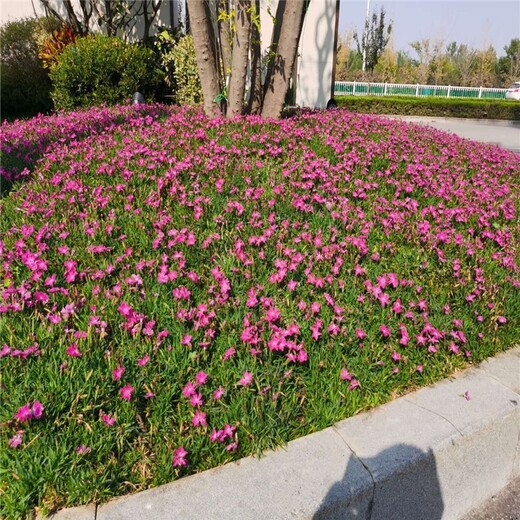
(433, 454)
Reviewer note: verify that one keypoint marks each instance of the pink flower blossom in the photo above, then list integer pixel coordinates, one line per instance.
(246, 379)
(201, 378)
(108, 420)
(16, 440)
(126, 392)
(118, 373)
(37, 409)
(199, 419)
(24, 413)
(73, 351)
(385, 331)
(218, 393)
(179, 457)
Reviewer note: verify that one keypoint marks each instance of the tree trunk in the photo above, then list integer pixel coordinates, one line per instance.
(239, 58)
(277, 83)
(254, 105)
(205, 52)
(225, 38)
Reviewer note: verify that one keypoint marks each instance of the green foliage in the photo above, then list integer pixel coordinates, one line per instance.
(375, 38)
(100, 70)
(178, 61)
(54, 44)
(25, 86)
(477, 109)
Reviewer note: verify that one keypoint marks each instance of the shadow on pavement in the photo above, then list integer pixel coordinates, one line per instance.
(406, 487)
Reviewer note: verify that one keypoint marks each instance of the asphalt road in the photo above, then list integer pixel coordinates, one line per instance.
(502, 133)
(504, 506)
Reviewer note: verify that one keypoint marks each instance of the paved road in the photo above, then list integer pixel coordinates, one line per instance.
(504, 506)
(503, 133)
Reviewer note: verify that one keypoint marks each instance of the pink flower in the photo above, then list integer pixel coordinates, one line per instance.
(143, 361)
(354, 383)
(419, 368)
(108, 420)
(315, 308)
(73, 351)
(218, 393)
(361, 334)
(201, 377)
(501, 320)
(82, 450)
(396, 356)
(196, 400)
(199, 419)
(37, 409)
(179, 457)
(247, 379)
(467, 395)
(125, 309)
(189, 389)
(16, 440)
(397, 306)
(230, 352)
(126, 392)
(272, 315)
(118, 373)
(385, 331)
(345, 374)
(24, 413)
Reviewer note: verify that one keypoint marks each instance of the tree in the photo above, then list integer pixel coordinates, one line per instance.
(116, 16)
(374, 39)
(227, 45)
(508, 66)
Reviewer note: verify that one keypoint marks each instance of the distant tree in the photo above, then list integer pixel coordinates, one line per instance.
(462, 58)
(508, 66)
(374, 39)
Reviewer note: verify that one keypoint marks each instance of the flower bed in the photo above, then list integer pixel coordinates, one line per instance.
(178, 292)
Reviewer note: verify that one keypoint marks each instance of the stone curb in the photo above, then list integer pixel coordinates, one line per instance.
(432, 454)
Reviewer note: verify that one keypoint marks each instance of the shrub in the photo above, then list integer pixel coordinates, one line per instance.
(25, 86)
(177, 60)
(468, 108)
(99, 70)
(54, 44)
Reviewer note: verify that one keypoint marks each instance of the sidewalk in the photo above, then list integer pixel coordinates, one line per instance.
(433, 454)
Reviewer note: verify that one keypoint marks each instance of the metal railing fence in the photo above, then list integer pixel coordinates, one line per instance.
(358, 88)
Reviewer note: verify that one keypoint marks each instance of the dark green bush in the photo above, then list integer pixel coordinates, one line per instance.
(469, 108)
(100, 70)
(25, 85)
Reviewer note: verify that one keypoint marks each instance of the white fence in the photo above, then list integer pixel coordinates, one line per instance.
(358, 88)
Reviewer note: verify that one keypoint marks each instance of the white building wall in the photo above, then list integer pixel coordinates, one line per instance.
(316, 55)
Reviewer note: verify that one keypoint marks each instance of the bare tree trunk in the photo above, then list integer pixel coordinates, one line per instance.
(204, 41)
(239, 59)
(277, 83)
(254, 105)
(225, 38)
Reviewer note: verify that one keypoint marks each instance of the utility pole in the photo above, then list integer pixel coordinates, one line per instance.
(365, 35)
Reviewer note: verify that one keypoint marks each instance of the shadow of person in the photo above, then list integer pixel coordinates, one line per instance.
(406, 487)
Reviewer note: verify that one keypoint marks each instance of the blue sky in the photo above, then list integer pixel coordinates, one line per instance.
(478, 23)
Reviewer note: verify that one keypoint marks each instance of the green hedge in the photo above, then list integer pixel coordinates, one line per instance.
(474, 108)
(102, 70)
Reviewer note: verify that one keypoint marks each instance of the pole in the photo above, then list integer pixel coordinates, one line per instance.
(365, 37)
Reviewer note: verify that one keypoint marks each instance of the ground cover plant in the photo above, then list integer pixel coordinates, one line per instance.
(179, 292)
(431, 106)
